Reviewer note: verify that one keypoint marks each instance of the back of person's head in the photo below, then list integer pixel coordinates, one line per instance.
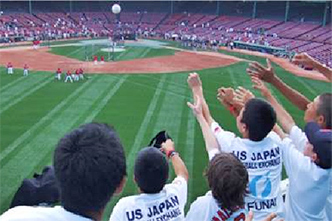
(321, 140)
(89, 165)
(228, 179)
(325, 109)
(151, 170)
(259, 118)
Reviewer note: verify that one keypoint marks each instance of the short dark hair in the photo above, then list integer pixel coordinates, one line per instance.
(325, 109)
(89, 165)
(228, 179)
(151, 170)
(259, 117)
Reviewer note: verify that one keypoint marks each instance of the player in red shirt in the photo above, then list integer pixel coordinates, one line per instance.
(25, 70)
(102, 59)
(81, 74)
(77, 75)
(10, 69)
(58, 74)
(95, 59)
(68, 76)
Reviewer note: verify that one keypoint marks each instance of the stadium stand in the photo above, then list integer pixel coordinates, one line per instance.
(197, 20)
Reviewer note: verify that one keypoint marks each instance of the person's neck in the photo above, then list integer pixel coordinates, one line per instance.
(97, 216)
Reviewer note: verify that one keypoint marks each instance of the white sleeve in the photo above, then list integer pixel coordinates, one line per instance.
(212, 153)
(274, 136)
(298, 137)
(224, 138)
(181, 186)
(195, 212)
(293, 159)
(117, 213)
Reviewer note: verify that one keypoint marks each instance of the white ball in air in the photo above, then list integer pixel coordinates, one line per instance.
(116, 9)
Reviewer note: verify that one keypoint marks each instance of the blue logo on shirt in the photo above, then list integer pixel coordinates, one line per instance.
(264, 186)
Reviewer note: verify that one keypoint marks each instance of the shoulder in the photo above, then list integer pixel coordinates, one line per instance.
(29, 213)
(127, 201)
(177, 183)
(204, 199)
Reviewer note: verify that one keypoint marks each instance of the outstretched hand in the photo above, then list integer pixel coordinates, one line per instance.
(167, 146)
(259, 85)
(242, 96)
(226, 95)
(303, 59)
(194, 81)
(196, 107)
(264, 73)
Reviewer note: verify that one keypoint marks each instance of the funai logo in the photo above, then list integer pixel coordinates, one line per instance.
(260, 185)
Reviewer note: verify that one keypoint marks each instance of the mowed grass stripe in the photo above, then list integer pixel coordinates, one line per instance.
(11, 83)
(23, 96)
(145, 52)
(170, 114)
(189, 152)
(41, 144)
(142, 130)
(105, 100)
(19, 89)
(51, 115)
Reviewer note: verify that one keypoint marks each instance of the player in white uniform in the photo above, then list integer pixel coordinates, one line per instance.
(308, 164)
(157, 201)
(227, 179)
(259, 151)
(10, 69)
(90, 167)
(69, 77)
(26, 70)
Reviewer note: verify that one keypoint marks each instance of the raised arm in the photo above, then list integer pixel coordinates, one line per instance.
(209, 138)
(180, 168)
(308, 61)
(284, 118)
(195, 84)
(268, 75)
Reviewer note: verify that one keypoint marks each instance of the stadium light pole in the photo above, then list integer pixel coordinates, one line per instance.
(30, 7)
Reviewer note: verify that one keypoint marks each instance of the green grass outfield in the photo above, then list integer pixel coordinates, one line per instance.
(36, 111)
(83, 53)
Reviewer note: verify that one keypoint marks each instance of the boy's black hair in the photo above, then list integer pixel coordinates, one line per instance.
(151, 170)
(259, 117)
(89, 165)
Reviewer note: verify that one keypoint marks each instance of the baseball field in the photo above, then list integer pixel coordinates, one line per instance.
(140, 93)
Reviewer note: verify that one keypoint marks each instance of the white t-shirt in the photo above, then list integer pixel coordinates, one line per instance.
(309, 185)
(168, 204)
(206, 208)
(263, 161)
(29, 213)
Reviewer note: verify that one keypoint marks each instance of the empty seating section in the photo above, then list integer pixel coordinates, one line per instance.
(295, 36)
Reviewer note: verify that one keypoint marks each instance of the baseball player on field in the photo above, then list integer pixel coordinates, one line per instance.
(95, 59)
(102, 59)
(25, 70)
(77, 75)
(58, 74)
(68, 77)
(81, 74)
(10, 69)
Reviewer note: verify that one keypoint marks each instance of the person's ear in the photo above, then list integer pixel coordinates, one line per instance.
(314, 157)
(321, 120)
(121, 186)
